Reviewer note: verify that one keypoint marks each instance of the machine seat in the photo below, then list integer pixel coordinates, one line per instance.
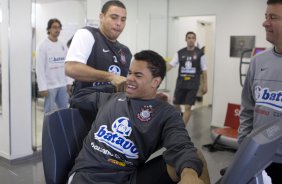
(225, 138)
(62, 138)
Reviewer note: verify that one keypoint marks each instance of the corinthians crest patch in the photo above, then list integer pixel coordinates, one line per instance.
(122, 56)
(145, 114)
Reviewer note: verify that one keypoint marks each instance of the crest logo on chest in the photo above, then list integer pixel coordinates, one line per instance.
(146, 113)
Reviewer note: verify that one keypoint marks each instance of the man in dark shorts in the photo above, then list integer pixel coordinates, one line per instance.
(192, 64)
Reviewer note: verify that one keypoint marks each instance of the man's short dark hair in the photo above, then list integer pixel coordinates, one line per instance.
(274, 2)
(156, 62)
(108, 4)
(52, 21)
(190, 32)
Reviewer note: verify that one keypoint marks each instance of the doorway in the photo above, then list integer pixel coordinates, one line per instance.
(204, 27)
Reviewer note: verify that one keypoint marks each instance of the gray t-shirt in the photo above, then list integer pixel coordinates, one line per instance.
(262, 93)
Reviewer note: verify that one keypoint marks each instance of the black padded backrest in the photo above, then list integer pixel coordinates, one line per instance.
(62, 138)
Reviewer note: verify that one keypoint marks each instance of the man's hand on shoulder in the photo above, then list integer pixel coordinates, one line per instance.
(118, 82)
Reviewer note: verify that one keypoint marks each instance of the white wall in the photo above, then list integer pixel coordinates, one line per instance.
(15, 129)
(4, 117)
(146, 27)
(72, 15)
(146, 20)
(232, 18)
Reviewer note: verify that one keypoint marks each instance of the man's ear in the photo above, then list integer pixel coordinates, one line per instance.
(157, 82)
(101, 16)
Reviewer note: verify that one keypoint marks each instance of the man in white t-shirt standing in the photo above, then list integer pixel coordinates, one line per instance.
(95, 56)
(51, 78)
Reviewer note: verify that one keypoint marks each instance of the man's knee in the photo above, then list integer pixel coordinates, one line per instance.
(188, 108)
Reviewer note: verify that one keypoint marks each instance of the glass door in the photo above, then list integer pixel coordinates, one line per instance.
(72, 19)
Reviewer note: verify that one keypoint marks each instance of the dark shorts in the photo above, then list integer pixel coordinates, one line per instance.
(184, 96)
(274, 171)
(152, 172)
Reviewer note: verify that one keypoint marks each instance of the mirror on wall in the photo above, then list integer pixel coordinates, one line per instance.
(0, 61)
(72, 19)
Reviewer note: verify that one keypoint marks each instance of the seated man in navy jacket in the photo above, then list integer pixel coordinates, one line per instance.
(129, 127)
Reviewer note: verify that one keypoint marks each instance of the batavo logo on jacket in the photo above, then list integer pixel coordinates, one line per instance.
(267, 98)
(58, 59)
(116, 139)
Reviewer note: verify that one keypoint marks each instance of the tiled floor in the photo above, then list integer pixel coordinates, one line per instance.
(199, 130)
(31, 171)
(26, 172)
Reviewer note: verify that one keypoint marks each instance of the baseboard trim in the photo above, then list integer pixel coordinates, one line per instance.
(37, 155)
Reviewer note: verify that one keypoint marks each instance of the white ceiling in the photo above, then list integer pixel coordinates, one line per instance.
(50, 1)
